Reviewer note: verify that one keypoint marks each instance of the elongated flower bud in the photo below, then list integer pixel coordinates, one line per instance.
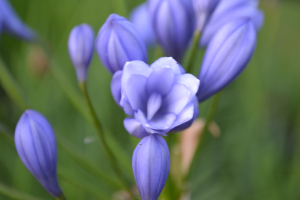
(12, 24)
(203, 10)
(118, 41)
(36, 146)
(141, 19)
(227, 55)
(81, 46)
(227, 11)
(151, 165)
(173, 23)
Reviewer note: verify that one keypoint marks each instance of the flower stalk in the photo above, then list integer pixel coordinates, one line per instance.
(193, 50)
(112, 160)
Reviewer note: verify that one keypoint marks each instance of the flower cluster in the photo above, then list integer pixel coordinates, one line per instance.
(158, 98)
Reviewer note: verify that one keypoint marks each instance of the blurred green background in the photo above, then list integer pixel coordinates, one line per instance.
(257, 155)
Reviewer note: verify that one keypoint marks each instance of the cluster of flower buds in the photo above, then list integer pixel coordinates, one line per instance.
(12, 24)
(161, 98)
(36, 146)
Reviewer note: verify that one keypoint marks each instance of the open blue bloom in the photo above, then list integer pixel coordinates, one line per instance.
(227, 11)
(173, 23)
(160, 98)
(227, 55)
(141, 19)
(151, 165)
(81, 47)
(203, 10)
(12, 24)
(36, 146)
(118, 42)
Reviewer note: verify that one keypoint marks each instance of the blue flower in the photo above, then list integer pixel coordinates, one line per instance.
(227, 11)
(81, 46)
(203, 10)
(118, 42)
(36, 146)
(160, 98)
(141, 19)
(12, 24)
(173, 23)
(151, 165)
(227, 55)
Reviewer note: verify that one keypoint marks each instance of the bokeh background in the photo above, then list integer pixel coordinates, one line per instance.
(256, 156)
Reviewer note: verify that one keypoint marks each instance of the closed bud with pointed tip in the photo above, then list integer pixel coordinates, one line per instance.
(203, 10)
(173, 23)
(118, 42)
(81, 47)
(141, 19)
(151, 165)
(12, 24)
(36, 146)
(228, 10)
(227, 55)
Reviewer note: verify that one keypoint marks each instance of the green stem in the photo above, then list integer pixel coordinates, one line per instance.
(193, 50)
(101, 138)
(204, 131)
(11, 88)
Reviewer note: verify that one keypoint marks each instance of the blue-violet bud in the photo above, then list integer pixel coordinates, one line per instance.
(227, 55)
(141, 19)
(159, 97)
(12, 24)
(203, 10)
(118, 42)
(151, 165)
(81, 47)
(173, 23)
(36, 146)
(227, 11)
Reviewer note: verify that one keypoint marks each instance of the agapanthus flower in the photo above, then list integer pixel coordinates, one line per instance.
(118, 42)
(36, 146)
(160, 98)
(227, 11)
(12, 24)
(226, 57)
(173, 22)
(151, 165)
(141, 19)
(81, 47)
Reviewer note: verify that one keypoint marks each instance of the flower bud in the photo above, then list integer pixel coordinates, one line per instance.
(12, 24)
(173, 25)
(118, 41)
(227, 11)
(81, 46)
(36, 146)
(141, 19)
(227, 55)
(203, 9)
(151, 165)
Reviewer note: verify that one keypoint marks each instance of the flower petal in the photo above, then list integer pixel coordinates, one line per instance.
(160, 81)
(135, 128)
